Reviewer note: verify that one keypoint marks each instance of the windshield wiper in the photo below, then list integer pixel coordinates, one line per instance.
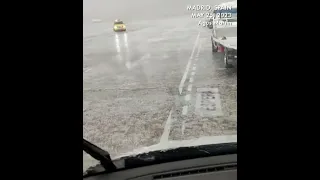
(100, 155)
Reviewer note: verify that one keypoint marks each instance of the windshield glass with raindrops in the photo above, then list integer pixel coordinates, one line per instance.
(165, 75)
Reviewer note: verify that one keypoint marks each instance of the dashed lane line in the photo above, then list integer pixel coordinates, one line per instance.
(167, 127)
(184, 110)
(188, 97)
(188, 65)
(189, 87)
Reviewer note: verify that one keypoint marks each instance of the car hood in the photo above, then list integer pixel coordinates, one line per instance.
(167, 145)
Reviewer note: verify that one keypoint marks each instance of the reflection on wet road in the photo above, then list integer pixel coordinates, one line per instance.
(155, 83)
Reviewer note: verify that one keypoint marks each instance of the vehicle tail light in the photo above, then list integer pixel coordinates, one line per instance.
(220, 48)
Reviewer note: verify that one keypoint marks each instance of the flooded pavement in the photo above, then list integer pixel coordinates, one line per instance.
(157, 82)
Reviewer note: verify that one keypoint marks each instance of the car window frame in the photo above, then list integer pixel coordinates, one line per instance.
(120, 22)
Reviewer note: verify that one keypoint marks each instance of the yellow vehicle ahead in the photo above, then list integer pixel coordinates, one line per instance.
(119, 26)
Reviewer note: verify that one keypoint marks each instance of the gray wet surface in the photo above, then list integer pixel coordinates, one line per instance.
(133, 80)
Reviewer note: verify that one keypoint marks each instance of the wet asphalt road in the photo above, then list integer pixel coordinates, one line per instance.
(144, 86)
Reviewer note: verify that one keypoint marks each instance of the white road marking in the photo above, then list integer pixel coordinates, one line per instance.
(183, 127)
(221, 69)
(188, 65)
(185, 110)
(167, 127)
(197, 56)
(165, 135)
(198, 50)
(190, 87)
(194, 67)
(211, 101)
(188, 97)
(193, 73)
(87, 70)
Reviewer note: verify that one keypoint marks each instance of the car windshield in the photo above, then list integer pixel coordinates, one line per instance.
(161, 81)
(118, 22)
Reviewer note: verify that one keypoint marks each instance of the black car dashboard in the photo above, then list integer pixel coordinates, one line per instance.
(219, 167)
